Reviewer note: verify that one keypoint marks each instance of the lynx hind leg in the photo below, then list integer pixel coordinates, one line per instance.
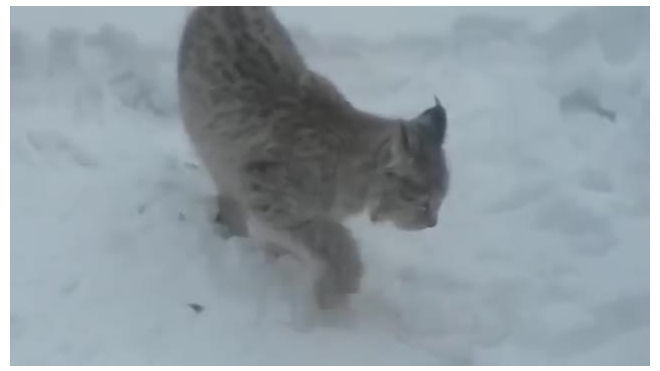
(230, 218)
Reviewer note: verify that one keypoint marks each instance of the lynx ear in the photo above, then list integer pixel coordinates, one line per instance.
(435, 120)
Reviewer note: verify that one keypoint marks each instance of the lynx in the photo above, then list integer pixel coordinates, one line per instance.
(290, 156)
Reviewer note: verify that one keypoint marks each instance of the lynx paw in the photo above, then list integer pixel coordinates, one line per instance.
(334, 286)
(328, 294)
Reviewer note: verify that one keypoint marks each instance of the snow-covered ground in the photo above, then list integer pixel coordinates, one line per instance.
(541, 255)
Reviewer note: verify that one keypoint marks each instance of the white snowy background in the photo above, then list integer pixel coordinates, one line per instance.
(541, 254)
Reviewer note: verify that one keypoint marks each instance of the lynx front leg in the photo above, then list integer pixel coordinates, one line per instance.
(230, 218)
(335, 255)
(328, 249)
(288, 203)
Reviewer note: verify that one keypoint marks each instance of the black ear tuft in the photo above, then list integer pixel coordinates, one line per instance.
(440, 120)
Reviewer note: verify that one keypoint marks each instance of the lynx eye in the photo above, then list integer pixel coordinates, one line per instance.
(423, 203)
(411, 194)
(407, 196)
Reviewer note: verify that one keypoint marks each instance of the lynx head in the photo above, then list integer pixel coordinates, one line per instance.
(413, 175)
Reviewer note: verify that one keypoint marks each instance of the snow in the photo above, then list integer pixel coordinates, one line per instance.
(541, 254)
